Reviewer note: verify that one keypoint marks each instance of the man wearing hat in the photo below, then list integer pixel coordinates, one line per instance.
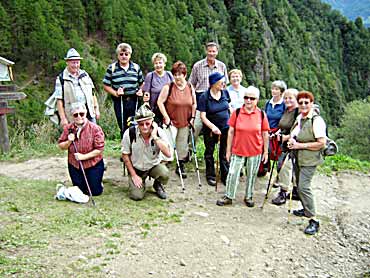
(75, 85)
(141, 148)
(214, 107)
(199, 76)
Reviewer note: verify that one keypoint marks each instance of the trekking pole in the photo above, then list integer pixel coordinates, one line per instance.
(177, 157)
(123, 164)
(293, 161)
(217, 162)
(195, 153)
(83, 170)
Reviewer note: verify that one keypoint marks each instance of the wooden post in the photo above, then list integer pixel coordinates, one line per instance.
(4, 137)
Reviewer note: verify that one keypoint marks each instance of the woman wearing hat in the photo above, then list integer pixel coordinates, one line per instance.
(89, 141)
(214, 107)
(75, 85)
(177, 103)
(247, 143)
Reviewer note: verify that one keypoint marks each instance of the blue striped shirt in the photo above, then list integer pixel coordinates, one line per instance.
(130, 80)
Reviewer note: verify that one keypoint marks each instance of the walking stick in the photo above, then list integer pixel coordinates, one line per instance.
(123, 164)
(195, 153)
(268, 189)
(83, 170)
(177, 157)
(217, 162)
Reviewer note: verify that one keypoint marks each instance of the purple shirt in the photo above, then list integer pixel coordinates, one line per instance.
(154, 84)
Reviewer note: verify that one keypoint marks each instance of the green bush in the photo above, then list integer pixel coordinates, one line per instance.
(354, 131)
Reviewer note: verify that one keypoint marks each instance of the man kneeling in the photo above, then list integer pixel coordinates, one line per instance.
(141, 148)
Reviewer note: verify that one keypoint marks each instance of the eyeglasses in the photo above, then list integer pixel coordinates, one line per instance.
(250, 98)
(125, 53)
(303, 102)
(82, 114)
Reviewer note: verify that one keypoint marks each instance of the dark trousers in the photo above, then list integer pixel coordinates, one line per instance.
(210, 140)
(94, 177)
(124, 109)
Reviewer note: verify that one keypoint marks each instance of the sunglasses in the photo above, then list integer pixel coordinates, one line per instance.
(82, 114)
(250, 98)
(144, 123)
(125, 53)
(304, 102)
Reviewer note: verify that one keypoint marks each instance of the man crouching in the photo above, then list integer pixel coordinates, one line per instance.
(141, 148)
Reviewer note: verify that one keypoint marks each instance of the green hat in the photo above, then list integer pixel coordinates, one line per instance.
(144, 113)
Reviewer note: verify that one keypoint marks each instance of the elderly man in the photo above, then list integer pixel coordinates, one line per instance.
(141, 149)
(84, 141)
(199, 77)
(75, 85)
(123, 80)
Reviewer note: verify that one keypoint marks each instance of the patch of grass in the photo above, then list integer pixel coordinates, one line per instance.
(42, 230)
(342, 162)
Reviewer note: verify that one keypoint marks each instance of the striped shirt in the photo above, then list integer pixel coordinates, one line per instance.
(130, 80)
(200, 72)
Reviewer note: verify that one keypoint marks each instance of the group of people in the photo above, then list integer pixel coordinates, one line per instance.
(289, 130)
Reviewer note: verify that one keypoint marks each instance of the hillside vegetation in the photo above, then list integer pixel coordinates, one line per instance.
(305, 43)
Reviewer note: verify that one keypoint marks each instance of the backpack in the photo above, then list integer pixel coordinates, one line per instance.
(331, 148)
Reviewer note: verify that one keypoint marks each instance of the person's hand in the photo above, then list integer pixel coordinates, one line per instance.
(71, 137)
(138, 182)
(155, 129)
(63, 122)
(265, 157)
(216, 131)
(191, 122)
(97, 113)
(228, 155)
(80, 156)
(167, 121)
(146, 97)
(292, 144)
(139, 93)
(120, 91)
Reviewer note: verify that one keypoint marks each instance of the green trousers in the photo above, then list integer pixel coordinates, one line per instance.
(305, 175)
(159, 173)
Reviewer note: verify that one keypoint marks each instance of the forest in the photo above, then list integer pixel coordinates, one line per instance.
(303, 42)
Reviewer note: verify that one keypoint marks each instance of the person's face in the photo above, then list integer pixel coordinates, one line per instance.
(79, 116)
(304, 105)
(124, 57)
(159, 65)
(275, 91)
(250, 102)
(179, 77)
(290, 100)
(73, 66)
(219, 85)
(145, 126)
(212, 52)
(235, 79)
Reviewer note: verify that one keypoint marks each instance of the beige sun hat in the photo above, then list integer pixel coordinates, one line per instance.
(72, 54)
(144, 113)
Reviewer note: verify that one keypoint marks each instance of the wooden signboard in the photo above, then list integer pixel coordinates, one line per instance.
(7, 93)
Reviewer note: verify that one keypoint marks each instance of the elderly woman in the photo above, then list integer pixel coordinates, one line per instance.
(214, 111)
(286, 122)
(236, 90)
(247, 141)
(307, 139)
(84, 141)
(177, 103)
(154, 82)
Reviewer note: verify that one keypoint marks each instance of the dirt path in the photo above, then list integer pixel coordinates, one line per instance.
(238, 241)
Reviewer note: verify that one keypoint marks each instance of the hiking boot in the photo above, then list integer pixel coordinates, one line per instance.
(182, 169)
(224, 201)
(211, 181)
(295, 196)
(249, 202)
(312, 228)
(159, 190)
(280, 199)
(299, 212)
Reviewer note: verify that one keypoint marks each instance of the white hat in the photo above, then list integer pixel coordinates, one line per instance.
(72, 54)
